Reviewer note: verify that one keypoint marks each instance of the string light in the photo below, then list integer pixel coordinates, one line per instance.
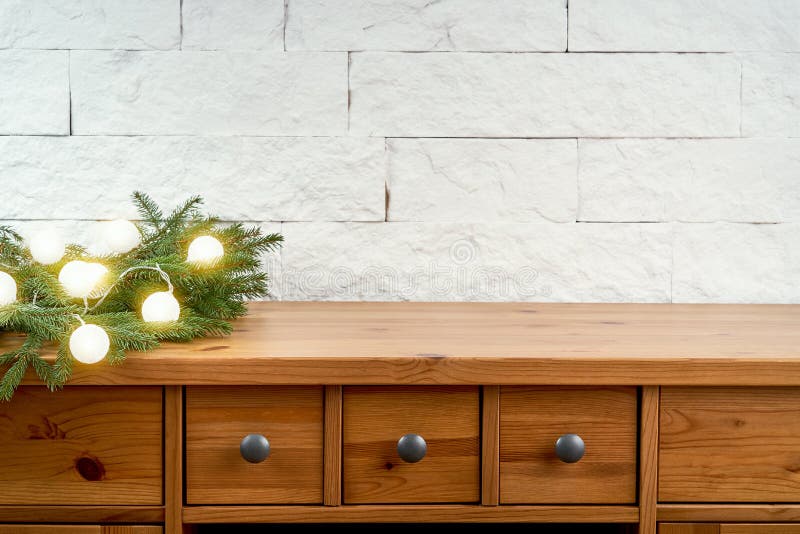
(80, 278)
(47, 247)
(8, 289)
(121, 236)
(160, 307)
(205, 249)
(89, 343)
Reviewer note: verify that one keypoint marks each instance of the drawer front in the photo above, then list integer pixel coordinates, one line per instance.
(729, 445)
(532, 419)
(447, 418)
(219, 418)
(82, 446)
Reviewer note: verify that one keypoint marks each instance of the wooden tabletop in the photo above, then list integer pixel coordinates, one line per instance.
(479, 343)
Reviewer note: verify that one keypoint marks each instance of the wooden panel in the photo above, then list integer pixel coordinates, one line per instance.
(730, 445)
(688, 528)
(447, 418)
(773, 528)
(443, 513)
(92, 445)
(479, 343)
(490, 450)
(729, 512)
(79, 529)
(648, 460)
(533, 418)
(333, 446)
(82, 514)
(173, 461)
(217, 418)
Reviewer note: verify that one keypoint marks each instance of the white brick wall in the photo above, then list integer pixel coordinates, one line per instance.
(590, 150)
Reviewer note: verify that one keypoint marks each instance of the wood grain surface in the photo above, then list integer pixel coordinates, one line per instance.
(80, 529)
(769, 513)
(688, 528)
(217, 418)
(533, 418)
(490, 446)
(479, 343)
(729, 445)
(444, 513)
(333, 446)
(745, 528)
(448, 418)
(90, 446)
(648, 459)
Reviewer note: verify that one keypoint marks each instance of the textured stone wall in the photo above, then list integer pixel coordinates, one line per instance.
(589, 150)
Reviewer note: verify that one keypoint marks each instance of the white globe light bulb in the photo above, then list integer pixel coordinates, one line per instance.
(205, 249)
(121, 236)
(80, 278)
(8, 289)
(161, 307)
(47, 247)
(89, 343)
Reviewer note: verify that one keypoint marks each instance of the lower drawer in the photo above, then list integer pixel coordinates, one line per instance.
(82, 446)
(290, 421)
(600, 421)
(729, 444)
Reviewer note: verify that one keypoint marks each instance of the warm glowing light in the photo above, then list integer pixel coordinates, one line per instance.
(205, 249)
(121, 236)
(161, 307)
(80, 278)
(89, 343)
(47, 247)
(8, 289)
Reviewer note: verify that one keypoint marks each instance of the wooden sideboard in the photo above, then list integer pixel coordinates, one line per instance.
(682, 419)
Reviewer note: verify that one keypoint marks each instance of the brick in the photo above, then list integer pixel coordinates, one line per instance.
(683, 25)
(256, 179)
(493, 262)
(232, 25)
(34, 92)
(747, 263)
(522, 180)
(209, 93)
(544, 95)
(771, 95)
(695, 180)
(424, 25)
(95, 24)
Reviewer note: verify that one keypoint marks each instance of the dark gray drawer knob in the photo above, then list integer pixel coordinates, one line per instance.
(570, 448)
(412, 448)
(254, 448)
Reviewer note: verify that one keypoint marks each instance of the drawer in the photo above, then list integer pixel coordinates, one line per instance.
(532, 419)
(729, 445)
(447, 419)
(219, 418)
(82, 446)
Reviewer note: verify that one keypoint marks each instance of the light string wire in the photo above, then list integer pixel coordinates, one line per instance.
(122, 275)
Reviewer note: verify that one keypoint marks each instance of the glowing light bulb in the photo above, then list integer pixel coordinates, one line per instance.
(47, 247)
(89, 343)
(205, 249)
(161, 307)
(121, 236)
(80, 278)
(8, 289)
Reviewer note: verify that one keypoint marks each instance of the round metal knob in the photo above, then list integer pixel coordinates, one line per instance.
(254, 448)
(412, 448)
(570, 448)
